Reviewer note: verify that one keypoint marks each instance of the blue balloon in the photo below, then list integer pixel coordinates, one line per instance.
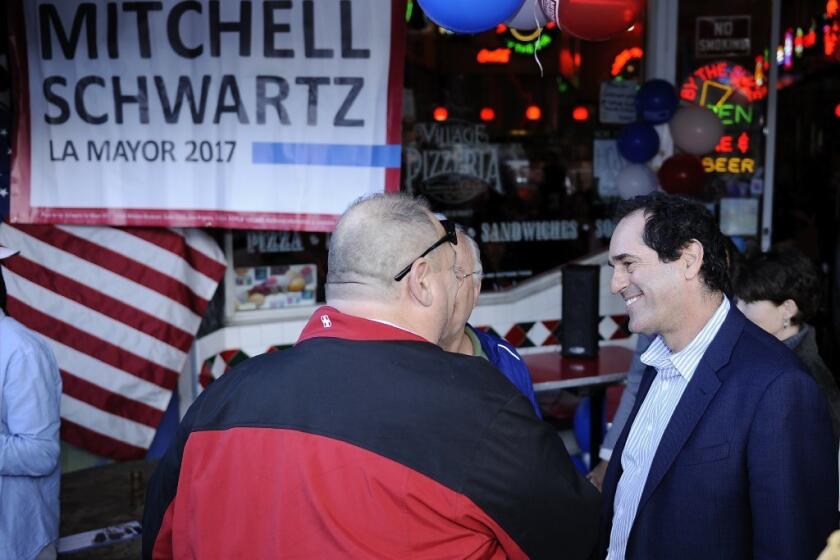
(656, 101)
(470, 16)
(638, 142)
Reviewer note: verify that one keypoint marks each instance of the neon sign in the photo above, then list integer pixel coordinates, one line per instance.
(526, 42)
(721, 80)
(495, 56)
(730, 91)
(623, 58)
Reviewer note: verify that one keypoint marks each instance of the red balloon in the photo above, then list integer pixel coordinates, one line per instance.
(682, 174)
(593, 20)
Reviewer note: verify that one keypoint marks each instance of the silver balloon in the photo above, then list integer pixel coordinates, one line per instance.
(696, 130)
(635, 180)
(529, 17)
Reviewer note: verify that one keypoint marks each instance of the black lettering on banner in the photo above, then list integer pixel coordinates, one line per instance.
(171, 113)
(142, 99)
(142, 9)
(167, 147)
(312, 82)
(98, 154)
(173, 29)
(112, 43)
(243, 27)
(356, 85)
(270, 28)
(310, 50)
(49, 19)
(57, 100)
(275, 101)
(207, 152)
(347, 50)
(79, 100)
(229, 84)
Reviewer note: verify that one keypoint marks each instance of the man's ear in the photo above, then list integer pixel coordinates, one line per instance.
(790, 309)
(419, 281)
(692, 258)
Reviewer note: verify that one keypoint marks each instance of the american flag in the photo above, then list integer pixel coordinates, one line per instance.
(120, 308)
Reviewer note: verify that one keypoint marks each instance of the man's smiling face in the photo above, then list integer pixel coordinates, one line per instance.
(651, 289)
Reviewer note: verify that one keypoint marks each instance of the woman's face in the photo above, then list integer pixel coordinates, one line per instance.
(768, 316)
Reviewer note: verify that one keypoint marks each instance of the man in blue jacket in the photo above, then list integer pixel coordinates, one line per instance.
(728, 452)
(463, 338)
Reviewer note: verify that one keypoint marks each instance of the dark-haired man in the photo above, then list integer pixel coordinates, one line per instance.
(728, 452)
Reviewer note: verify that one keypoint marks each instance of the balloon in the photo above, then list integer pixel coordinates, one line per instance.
(525, 18)
(593, 20)
(656, 101)
(469, 16)
(682, 174)
(696, 130)
(634, 180)
(638, 142)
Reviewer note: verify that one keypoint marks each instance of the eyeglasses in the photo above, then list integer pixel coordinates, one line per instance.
(461, 275)
(451, 236)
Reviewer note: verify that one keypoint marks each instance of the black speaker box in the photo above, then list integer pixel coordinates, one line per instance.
(581, 291)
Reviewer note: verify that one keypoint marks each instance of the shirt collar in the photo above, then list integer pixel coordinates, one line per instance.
(685, 361)
(329, 322)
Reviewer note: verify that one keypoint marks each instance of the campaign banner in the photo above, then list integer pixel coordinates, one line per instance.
(271, 114)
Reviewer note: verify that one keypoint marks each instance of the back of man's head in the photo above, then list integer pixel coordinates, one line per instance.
(374, 239)
(671, 223)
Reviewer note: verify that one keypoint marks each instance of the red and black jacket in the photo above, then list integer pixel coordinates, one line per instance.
(366, 441)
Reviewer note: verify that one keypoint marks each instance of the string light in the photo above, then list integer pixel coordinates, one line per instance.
(533, 113)
(580, 113)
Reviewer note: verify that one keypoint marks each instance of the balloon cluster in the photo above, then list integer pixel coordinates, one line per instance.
(695, 130)
(590, 20)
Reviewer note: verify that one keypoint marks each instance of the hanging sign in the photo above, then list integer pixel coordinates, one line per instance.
(255, 115)
(722, 36)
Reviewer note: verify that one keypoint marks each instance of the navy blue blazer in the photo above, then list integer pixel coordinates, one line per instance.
(747, 467)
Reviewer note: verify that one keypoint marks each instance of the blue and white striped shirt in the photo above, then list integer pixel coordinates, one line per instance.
(673, 373)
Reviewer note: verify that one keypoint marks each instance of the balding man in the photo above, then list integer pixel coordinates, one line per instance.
(463, 338)
(366, 439)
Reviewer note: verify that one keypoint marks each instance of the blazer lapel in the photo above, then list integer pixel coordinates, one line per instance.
(698, 394)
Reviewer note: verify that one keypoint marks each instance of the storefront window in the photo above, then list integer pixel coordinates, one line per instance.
(509, 153)
(277, 269)
(723, 64)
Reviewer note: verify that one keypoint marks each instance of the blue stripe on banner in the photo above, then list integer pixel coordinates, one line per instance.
(354, 155)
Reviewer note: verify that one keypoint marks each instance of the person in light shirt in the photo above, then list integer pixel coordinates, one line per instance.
(729, 451)
(30, 393)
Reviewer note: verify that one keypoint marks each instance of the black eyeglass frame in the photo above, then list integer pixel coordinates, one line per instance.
(451, 236)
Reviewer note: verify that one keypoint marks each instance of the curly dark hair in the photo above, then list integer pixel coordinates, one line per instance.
(778, 275)
(671, 223)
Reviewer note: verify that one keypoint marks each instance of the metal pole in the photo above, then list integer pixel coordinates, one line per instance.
(661, 59)
(770, 144)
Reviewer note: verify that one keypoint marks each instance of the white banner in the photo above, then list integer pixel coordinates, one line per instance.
(251, 114)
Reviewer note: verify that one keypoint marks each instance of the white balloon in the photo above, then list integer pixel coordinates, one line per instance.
(635, 180)
(529, 17)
